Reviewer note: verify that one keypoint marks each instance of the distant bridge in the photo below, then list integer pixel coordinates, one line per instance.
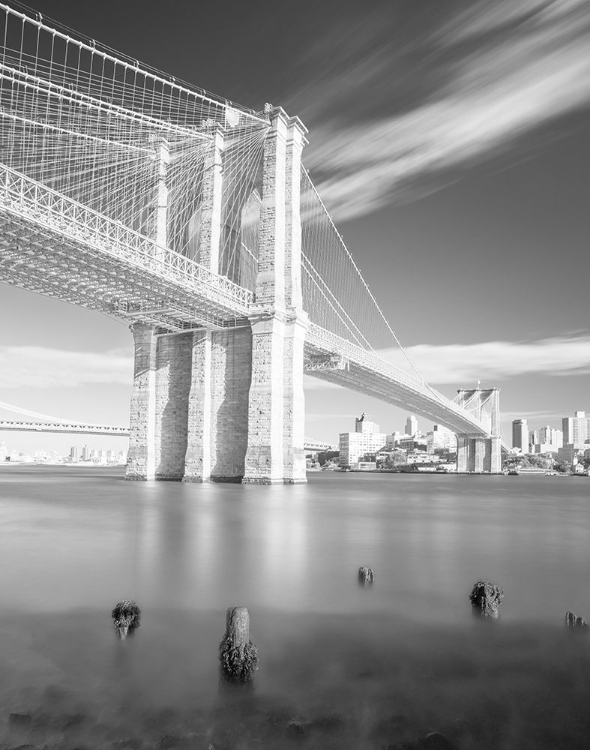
(78, 428)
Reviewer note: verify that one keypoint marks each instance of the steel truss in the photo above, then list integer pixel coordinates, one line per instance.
(51, 244)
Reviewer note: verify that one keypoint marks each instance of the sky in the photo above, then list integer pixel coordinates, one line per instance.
(449, 140)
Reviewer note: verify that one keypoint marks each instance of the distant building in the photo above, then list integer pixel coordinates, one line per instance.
(571, 453)
(365, 425)
(85, 453)
(365, 440)
(441, 439)
(520, 434)
(392, 440)
(576, 429)
(74, 453)
(549, 440)
(411, 426)
(421, 457)
(551, 436)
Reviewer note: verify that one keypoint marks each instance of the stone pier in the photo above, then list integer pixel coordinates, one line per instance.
(228, 405)
(477, 454)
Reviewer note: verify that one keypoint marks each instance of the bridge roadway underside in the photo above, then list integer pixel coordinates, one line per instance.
(42, 259)
(379, 386)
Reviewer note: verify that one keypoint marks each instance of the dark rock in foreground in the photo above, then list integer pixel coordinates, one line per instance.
(485, 599)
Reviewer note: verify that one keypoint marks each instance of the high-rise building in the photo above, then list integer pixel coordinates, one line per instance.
(85, 453)
(576, 429)
(533, 440)
(549, 438)
(520, 434)
(74, 453)
(411, 426)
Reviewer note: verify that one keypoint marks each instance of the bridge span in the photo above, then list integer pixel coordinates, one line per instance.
(76, 428)
(192, 218)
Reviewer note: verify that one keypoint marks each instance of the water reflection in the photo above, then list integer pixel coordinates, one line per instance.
(75, 542)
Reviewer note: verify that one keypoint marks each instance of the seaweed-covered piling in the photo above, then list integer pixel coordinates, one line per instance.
(126, 616)
(574, 622)
(366, 576)
(486, 598)
(238, 656)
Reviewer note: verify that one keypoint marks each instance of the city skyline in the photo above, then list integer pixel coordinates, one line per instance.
(456, 179)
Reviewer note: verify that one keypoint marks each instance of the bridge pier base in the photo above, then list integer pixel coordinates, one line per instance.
(479, 454)
(159, 405)
(218, 406)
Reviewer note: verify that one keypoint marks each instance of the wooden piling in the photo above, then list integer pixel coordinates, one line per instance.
(238, 656)
(366, 576)
(575, 622)
(486, 598)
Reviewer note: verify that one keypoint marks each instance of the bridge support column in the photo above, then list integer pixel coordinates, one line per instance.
(142, 456)
(159, 405)
(294, 401)
(477, 453)
(276, 410)
(218, 406)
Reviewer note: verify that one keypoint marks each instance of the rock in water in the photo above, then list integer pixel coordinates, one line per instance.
(126, 616)
(238, 656)
(574, 622)
(366, 576)
(486, 598)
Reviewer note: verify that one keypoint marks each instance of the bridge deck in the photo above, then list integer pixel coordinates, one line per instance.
(54, 246)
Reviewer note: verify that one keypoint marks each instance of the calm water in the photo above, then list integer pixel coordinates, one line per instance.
(365, 668)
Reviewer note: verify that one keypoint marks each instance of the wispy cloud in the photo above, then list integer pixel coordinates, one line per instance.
(44, 367)
(492, 361)
(502, 69)
(497, 360)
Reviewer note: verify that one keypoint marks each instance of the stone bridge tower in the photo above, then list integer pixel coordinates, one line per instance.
(475, 453)
(228, 405)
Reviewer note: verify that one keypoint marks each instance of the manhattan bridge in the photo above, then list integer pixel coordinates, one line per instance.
(192, 218)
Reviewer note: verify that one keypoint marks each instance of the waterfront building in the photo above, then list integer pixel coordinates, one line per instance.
(74, 453)
(421, 457)
(440, 438)
(571, 453)
(365, 440)
(520, 434)
(533, 440)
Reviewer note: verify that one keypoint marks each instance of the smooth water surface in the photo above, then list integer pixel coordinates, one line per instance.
(363, 668)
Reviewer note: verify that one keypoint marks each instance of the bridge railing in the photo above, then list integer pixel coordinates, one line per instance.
(46, 207)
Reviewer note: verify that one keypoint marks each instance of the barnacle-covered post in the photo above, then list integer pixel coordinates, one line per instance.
(126, 616)
(366, 576)
(238, 656)
(486, 598)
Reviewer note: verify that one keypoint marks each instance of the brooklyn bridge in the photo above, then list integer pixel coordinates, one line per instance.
(193, 218)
